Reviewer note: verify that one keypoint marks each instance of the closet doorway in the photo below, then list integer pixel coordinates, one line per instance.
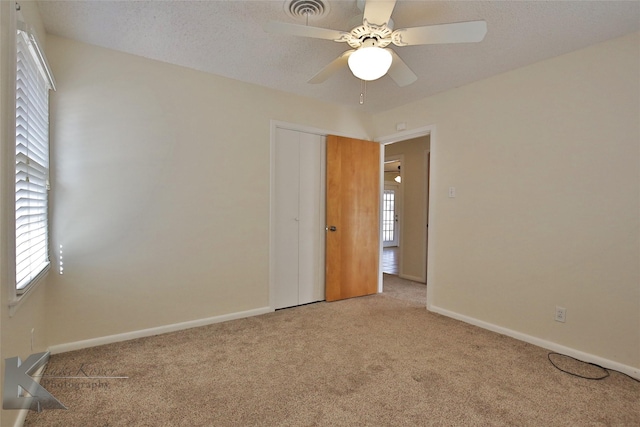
(298, 217)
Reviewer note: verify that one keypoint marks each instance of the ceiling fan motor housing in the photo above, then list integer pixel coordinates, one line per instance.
(381, 34)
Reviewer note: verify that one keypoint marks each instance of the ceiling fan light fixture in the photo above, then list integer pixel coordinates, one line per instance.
(370, 62)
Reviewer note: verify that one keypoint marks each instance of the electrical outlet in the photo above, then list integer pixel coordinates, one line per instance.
(561, 314)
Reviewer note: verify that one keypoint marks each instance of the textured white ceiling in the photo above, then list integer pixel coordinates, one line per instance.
(227, 38)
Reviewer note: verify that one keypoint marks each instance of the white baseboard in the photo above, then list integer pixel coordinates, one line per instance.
(580, 355)
(412, 278)
(93, 342)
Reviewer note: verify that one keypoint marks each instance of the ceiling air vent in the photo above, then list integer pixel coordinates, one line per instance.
(306, 9)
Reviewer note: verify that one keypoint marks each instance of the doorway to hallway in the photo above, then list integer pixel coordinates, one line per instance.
(407, 169)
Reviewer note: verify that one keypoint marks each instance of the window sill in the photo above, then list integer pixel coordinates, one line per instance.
(19, 299)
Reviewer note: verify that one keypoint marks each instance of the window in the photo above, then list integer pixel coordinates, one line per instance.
(33, 81)
(388, 216)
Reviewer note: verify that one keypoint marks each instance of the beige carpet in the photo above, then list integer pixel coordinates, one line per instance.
(394, 286)
(370, 361)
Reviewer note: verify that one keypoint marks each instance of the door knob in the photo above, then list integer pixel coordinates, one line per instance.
(332, 228)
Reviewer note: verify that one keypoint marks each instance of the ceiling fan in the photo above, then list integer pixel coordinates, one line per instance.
(370, 58)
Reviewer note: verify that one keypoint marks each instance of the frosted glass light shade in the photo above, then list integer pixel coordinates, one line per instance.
(370, 63)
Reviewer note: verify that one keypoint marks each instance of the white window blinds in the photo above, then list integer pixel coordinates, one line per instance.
(32, 161)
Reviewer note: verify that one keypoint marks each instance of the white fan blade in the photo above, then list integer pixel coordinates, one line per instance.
(305, 31)
(378, 12)
(332, 67)
(400, 72)
(459, 32)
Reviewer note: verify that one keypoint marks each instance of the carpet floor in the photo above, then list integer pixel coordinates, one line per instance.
(380, 360)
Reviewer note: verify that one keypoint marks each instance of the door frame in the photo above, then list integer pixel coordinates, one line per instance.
(430, 202)
(273, 126)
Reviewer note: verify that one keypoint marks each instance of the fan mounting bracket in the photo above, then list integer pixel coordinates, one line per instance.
(380, 33)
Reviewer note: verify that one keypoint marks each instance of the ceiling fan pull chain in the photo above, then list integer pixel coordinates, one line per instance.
(363, 91)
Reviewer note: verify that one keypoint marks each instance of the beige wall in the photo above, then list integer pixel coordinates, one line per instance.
(413, 245)
(545, 160)
(15, 330)
(161, 188)
(390, 176)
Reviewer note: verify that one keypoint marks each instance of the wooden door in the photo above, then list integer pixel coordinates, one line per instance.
(353, 218)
